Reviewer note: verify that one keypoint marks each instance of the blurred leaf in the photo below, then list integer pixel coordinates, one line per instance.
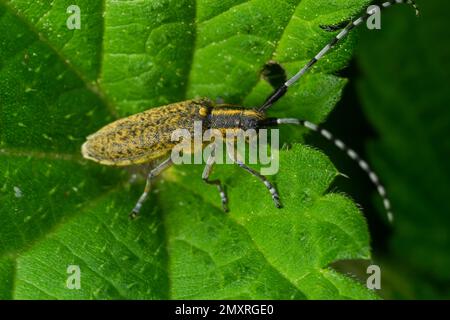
(58, 86)
(411, 112)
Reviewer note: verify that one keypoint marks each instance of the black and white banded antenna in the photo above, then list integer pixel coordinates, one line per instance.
(350, 152)
(281, 91)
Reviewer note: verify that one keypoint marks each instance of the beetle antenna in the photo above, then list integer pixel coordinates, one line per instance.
(350, 152)
(279, 92)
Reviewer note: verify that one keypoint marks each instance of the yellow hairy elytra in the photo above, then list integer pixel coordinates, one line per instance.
(141, 137)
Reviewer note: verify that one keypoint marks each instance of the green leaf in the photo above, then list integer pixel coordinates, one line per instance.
(59, 85)
(411, 113)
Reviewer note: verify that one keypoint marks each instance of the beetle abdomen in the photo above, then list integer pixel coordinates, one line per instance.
(141, 137)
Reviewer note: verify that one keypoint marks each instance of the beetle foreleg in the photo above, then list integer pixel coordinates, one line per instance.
(153, 173)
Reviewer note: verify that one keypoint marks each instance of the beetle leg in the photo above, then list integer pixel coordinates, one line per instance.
(205, 176)
(153, 173)
(269, 186)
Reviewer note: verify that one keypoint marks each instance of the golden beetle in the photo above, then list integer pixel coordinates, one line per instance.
(146, 136)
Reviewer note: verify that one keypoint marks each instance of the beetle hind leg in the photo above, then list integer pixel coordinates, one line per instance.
(273, 191)
(269, 186)
(153, 173)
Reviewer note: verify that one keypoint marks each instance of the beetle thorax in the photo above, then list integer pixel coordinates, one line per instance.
(232, 118)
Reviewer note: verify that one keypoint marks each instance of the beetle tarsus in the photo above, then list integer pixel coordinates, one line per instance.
(277, 202)
(225, 206)
(133, 214)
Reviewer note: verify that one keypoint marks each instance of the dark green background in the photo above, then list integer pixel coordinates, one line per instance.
(396, 111)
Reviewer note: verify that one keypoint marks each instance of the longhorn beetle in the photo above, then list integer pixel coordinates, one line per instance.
(146, 136)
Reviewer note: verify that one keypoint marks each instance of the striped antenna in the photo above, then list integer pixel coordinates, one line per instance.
(283, 89)
(350, 152)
